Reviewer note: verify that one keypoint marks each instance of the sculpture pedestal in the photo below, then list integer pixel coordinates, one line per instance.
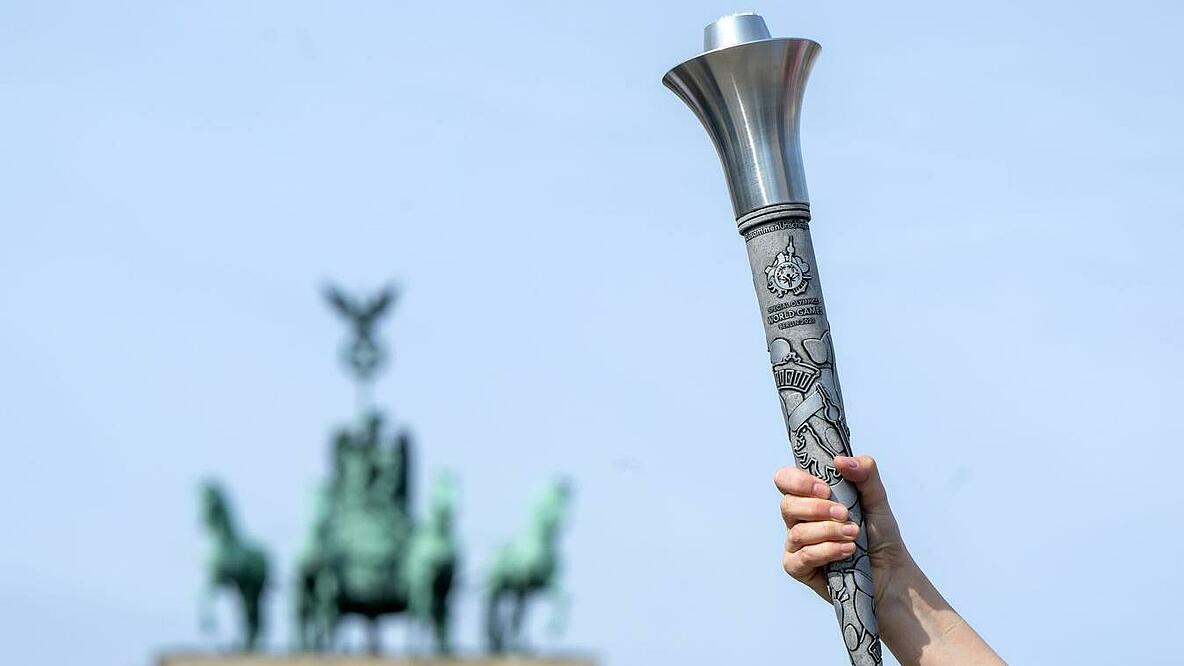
(359, 660)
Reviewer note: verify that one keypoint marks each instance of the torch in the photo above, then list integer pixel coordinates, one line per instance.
(746, 88)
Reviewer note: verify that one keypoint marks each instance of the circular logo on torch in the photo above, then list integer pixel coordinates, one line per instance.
(788, 274)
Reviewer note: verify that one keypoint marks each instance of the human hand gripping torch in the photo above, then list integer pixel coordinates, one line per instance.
(746, 89)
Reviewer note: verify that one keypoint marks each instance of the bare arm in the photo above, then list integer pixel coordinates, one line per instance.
(916, 623)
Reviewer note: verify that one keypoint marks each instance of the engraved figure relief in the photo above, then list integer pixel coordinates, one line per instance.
(788, 274)
(810, 397)
(809, 389)
(853, 597)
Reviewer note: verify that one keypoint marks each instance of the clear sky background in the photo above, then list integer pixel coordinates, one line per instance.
(998, 218)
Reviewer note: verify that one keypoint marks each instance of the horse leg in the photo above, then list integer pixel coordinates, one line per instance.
(327, 630)
(251, 620)
(440, 628)
(493, 629)
(326, 611)
(303, 619)
(516, 621)
(374, 637)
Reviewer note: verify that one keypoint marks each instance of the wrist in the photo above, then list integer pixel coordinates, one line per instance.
(894, 601)
(920, 627)
(909, 612)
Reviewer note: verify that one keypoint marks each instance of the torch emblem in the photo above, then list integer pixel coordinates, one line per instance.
(789, 273)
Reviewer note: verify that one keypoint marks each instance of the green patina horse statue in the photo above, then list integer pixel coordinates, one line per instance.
(526, 568)
(430, 570)
(234, 564)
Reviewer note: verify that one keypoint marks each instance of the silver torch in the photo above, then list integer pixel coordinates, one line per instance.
(746, 88)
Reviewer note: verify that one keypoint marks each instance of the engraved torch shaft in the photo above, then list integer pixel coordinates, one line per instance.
(746, 89)
(788, 289)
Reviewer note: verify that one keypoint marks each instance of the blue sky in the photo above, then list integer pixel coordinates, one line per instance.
(998, 203)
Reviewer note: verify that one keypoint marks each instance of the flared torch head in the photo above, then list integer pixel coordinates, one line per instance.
(746, 88)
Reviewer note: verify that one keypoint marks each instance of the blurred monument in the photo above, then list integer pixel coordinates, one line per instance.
(525, 569)
(234, 564)
(367, 555)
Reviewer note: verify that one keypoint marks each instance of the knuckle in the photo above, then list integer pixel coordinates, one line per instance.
(787, 506)
(795, 535)
(794, 566)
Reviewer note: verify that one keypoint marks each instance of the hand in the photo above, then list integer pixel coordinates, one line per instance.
(819, 531)
(916, 622)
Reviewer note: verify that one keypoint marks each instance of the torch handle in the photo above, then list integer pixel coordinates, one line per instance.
(785, 275)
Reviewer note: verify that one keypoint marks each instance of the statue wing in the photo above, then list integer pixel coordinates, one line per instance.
(340, 302)
(380, 304)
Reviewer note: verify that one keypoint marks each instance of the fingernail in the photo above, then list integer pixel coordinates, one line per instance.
(850, 463)
(838, 512)
(847, 548)
(822, 490)
(851, 529)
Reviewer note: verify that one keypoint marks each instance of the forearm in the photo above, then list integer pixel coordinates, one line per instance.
(921, 628)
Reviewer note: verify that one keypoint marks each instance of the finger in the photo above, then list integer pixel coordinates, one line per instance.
(808, 534)
(865, 474)
(794, 481)
(810, 509)
(803, 562)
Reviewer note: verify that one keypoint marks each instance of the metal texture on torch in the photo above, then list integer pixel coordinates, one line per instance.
(746, 88)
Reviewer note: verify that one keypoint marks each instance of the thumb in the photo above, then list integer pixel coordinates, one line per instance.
(863, 472)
